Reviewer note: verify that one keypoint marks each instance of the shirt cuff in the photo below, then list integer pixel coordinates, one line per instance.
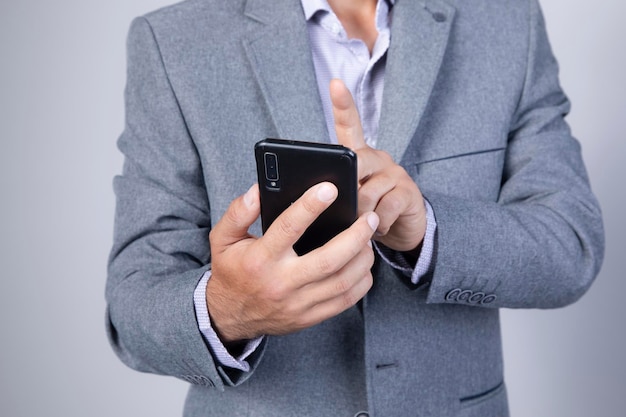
(210, 337)
(425, 261)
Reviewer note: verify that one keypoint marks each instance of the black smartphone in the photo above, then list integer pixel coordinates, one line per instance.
(287, 168)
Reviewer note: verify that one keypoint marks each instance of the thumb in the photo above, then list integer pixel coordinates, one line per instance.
(234, 224)
(347, 121)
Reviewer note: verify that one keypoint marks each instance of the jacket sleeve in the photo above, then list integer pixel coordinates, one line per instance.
(161, 248)
(542, 243)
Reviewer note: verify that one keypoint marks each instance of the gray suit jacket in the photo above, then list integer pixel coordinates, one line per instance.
(472, 109)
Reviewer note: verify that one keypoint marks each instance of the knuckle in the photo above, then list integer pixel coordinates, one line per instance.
(304, 321)
(277, 292)
(357, 249)
(291, 311)
(288, 226)
(352, 297)
(256, 260)
(253, 265)
(349, 299)
(383, 228)
(213, 237)
(367, 197)
(394, 203)
(324, 265)
(342, 286)
(369, 282)
(308, 204)
(232, 214)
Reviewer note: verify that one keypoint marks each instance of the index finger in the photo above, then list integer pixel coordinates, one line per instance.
(347, 122)
(285, 231)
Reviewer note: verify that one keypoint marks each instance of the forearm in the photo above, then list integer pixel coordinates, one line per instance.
(541, 254)
(152, 328)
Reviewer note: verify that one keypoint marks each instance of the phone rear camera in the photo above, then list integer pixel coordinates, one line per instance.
(271, 166)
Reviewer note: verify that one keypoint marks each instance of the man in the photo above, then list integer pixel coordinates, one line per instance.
(471, 188)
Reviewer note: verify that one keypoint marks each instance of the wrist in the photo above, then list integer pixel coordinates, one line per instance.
(221, 318)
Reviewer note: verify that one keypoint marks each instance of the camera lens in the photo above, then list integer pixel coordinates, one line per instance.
(271, 166)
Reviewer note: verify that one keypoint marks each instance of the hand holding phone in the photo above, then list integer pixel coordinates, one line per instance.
(260, 286)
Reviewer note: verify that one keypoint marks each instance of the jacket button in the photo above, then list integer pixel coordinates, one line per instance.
(489, 299)
(362, 414)
(452, 295)
(477, 298)
(465, 295)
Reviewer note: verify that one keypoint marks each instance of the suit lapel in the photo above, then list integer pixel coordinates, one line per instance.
(280, 56)
(419, 35)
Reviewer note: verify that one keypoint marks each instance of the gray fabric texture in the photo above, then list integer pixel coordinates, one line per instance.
(472, 109)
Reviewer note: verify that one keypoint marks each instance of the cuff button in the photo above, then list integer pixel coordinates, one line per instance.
(489, 299)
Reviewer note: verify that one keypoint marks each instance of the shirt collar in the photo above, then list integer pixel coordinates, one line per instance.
(311, 7)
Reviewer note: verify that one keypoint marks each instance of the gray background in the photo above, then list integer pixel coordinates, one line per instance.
(61, 80)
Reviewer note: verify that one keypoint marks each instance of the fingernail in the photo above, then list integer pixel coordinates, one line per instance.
(369, 243)
(372, 220)
(248, 197)
(326, 193)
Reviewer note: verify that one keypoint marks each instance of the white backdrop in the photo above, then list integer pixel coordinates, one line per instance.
(62, 74)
